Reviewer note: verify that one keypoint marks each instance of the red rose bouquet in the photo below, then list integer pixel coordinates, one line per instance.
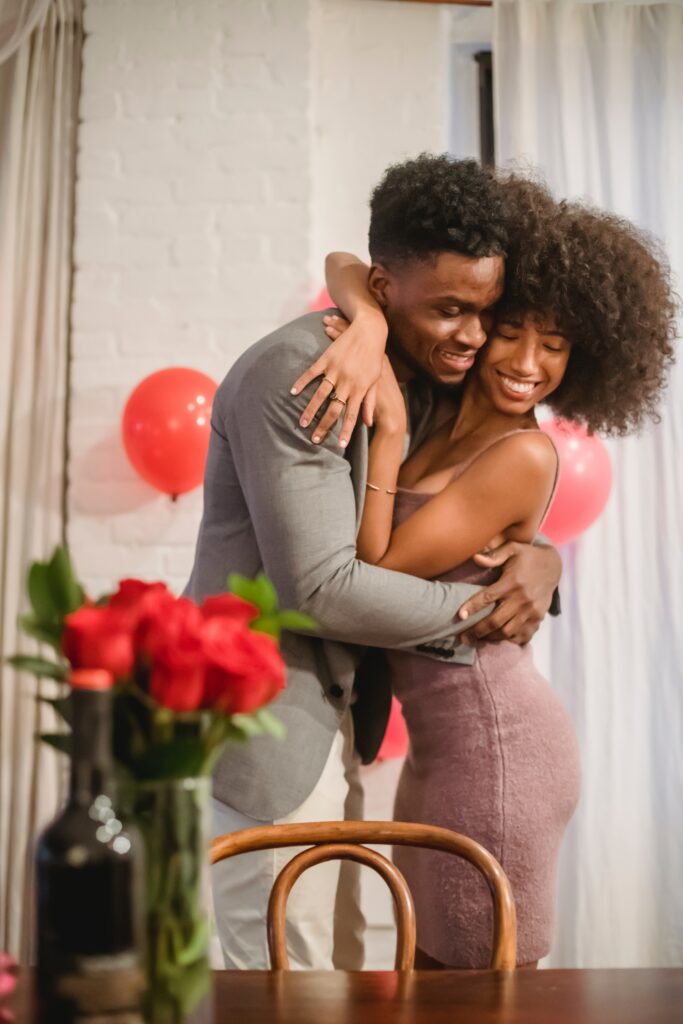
(186, 678)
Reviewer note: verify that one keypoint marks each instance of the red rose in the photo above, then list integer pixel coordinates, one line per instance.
(157, 614)
(230, 606)
(244, 670)
(131, 592)
(98, 638)
(171, 638)
(138, 600)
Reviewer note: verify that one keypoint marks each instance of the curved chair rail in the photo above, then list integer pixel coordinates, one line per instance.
(393, 833)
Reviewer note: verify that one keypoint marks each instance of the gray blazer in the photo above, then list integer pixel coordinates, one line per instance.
(275, 503)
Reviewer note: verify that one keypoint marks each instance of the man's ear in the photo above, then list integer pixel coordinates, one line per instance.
(379, 281)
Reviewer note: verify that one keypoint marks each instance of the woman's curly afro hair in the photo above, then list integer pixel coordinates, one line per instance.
(436, 204)
(607, 287)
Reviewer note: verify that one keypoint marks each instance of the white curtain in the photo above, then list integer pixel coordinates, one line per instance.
(592, 93)
(39, 81)
(18, 18)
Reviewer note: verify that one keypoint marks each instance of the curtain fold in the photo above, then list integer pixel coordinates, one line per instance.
(18, 18)
(39, 87)
(592, 93)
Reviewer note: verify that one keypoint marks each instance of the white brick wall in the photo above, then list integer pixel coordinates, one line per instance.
(225, 145)
(192, 235)
(380, 95)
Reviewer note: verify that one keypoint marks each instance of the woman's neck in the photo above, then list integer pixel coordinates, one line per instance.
(478, 416)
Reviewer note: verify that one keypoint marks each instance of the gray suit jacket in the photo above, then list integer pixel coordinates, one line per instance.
(275, 503)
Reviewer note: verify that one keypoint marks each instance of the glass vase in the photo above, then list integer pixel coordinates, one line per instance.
(173, 816)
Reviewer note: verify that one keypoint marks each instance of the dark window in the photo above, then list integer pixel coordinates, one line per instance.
(486, 137)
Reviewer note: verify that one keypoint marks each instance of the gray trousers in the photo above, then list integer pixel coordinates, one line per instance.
(325, 924)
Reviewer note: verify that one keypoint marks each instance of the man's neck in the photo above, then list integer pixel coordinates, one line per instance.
(404, 372)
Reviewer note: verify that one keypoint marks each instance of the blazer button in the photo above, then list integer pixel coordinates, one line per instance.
(336, 691)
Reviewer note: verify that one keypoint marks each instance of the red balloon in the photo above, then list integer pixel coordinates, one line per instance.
(395, 742)
(166, 427)
(585, 481)
(323, 300)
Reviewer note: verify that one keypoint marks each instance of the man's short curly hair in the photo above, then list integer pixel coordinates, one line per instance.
(607, 286)
(436, 204)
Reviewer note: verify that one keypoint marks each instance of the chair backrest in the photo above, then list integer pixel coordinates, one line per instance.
(343, 839)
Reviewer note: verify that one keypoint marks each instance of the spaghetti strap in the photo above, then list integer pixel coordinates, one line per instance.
(521, 430)
(555, 481)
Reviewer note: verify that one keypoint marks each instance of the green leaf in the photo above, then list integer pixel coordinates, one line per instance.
(60, 741)
(259, 723)
(67, 593)
(190, 984)
(267, 597)
(172, 759)
(62, 706)
(40, 593)
(247, 724)
(232, 733)
(196, 947)
(267, 624)
(45, 632)
(243, 587)
(274, 624)
(260, 591)
(38, 667)
(270, 724)
(296, 621)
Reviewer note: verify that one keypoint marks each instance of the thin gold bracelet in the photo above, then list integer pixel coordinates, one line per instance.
(386, 490)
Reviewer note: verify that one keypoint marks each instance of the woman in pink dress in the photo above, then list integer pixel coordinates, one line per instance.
(585, 325)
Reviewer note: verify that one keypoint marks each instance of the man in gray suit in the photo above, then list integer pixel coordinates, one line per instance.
(276, 503)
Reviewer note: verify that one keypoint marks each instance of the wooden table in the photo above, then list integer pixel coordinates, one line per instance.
(426, 997)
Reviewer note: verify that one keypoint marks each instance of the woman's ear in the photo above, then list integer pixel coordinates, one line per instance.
(378, 284)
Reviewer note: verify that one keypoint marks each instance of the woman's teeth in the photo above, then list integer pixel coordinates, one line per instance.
(518, 386)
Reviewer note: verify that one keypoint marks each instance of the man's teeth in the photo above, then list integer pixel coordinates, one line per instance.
(518, 386)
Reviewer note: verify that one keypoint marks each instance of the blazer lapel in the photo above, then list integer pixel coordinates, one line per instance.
(357, 453)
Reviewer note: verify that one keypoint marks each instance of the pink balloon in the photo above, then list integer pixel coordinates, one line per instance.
(323, 300)
(585, 481)
(395, 742)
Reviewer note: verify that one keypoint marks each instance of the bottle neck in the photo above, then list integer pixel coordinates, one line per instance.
(91, 757)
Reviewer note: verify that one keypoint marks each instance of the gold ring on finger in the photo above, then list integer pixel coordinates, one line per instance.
(330, 381)
(334, 397)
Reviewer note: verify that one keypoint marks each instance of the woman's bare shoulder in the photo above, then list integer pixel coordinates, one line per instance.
(527, 456)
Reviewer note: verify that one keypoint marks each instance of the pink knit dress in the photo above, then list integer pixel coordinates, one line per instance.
(492, 754)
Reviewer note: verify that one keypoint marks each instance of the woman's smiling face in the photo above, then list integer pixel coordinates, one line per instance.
(524, 362)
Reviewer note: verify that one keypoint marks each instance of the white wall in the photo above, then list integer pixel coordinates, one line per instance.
(192, 236)
(225, 146)
(380, 95)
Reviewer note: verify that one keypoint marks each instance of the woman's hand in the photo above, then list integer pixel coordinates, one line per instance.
(351, 368)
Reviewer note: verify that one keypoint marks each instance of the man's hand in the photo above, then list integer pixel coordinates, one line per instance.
(522, 594)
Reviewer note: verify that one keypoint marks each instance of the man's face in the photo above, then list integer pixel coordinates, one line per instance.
(438, 312)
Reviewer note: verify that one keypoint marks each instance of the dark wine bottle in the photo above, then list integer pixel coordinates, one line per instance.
(89, 882)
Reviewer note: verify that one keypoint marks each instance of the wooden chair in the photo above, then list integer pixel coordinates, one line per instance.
(330, 840)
